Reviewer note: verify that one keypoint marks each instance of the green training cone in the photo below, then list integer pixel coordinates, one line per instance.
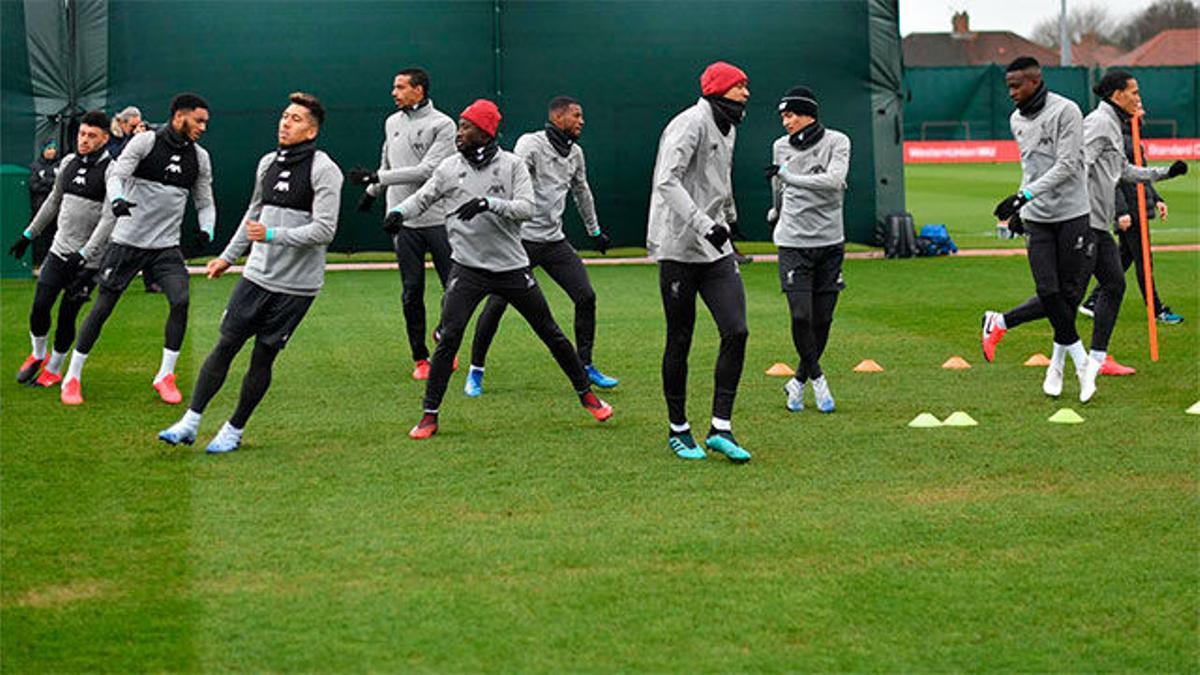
(924, 421)
(959, 419)
(1066, 416)
(1195, 409)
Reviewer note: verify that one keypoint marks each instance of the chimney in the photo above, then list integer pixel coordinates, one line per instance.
(960, 24)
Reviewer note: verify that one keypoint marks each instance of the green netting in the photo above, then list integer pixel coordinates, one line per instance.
(950, 103)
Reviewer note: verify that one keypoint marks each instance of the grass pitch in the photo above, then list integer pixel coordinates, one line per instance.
(525, 537)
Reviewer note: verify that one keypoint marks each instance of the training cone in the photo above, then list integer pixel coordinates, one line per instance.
(780, 370)
(868, 366)
(959, 419)
(1066, 416)
(1038, 360)
(956, 363)
(1195, 409)
(924, 421)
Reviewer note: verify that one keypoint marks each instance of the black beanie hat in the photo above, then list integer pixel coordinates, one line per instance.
(799, 100)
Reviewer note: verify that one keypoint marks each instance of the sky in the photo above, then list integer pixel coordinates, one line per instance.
(1019, 16)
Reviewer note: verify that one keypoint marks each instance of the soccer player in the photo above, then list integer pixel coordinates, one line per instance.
(687, 233)
(556, 166)
(1052, 203)
(291, 219)
(494, 195)
(1106, 166)
(76, 204)
(416, 139)
(148, 186)
(808, 179)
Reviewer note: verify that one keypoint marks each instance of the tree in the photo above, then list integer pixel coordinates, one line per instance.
(1082, 20)
(1156, 18)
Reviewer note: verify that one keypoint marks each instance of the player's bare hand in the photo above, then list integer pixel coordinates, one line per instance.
(256, 231)
(1124, 223)
(216, 267)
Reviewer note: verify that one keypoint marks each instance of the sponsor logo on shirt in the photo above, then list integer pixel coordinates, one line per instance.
(173, 166)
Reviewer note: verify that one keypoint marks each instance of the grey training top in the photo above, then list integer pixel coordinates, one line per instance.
(491, 240)
(809, 190)
(156, 220)
(553, 177)
(692, 189)
(1107, 165)
(293, 261)
(414, 143)
(77, 218)
(1051, 144)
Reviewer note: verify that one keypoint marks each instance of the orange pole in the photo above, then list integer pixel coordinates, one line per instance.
(1152, 326)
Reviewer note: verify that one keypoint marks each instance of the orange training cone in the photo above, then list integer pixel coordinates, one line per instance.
(868, 366)
(780, 370)
(956, 363)
(1038, 360)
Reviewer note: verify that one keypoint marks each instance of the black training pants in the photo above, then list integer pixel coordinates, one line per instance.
(1060, 257)
(1131, 254)
(719, 284)
(56, 277)
(467, 287)
(411, 244)
(562, 263)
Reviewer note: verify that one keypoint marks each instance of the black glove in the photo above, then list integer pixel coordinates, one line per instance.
(1178, 168)
(471, 209)
(365, 202)
(120, 207)
(202, 240)
(717, 236)
(1016, 225)
(734, 232)
(360, 176)
(770, 170)
(18, 249)
(602, 242)
(393, 222)
(74, 260)
(1010, 205)
(81, 288)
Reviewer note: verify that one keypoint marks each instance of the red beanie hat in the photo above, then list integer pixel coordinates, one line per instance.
(720, 77)
(483, 114)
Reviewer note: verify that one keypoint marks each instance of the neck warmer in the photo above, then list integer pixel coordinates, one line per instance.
(173, 138)
(481, 155)
(1034, 104)
(290, 155)
(92, 157)
(416, 106)
(727, 112)
(808, 136)
(1123, 116)
(561, 140)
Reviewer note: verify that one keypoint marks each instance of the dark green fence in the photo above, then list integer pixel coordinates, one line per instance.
(633, 64)
(972, 102)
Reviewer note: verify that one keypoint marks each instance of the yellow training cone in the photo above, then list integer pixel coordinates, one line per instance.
(924, 421)
(959, 419)
(956, 363)
(780, 370)
(868, 366)
(1066, 416)
(1195, 409)
(1038, 360)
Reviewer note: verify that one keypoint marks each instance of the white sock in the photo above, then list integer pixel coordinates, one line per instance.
(680, 428)
(1098, 356)
(191, 419)
(475, 368)
(1078, 355)
(721, 425)
(1058, 357)
(39, 345)
(1000, 321)
(819, 382)
(75, 368)
(228, 429)
(56, 359)
(431, 412)
(168, 364)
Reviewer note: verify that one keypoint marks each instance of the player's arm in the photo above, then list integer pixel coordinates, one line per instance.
(202, 196)
(520, 207)
(834, 176)
(678, 147)
(585, 203)
(418, 202)
(441, 147)
(240, 241)
(122, 168)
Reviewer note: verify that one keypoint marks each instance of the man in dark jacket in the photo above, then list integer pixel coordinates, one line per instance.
(41, 182)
